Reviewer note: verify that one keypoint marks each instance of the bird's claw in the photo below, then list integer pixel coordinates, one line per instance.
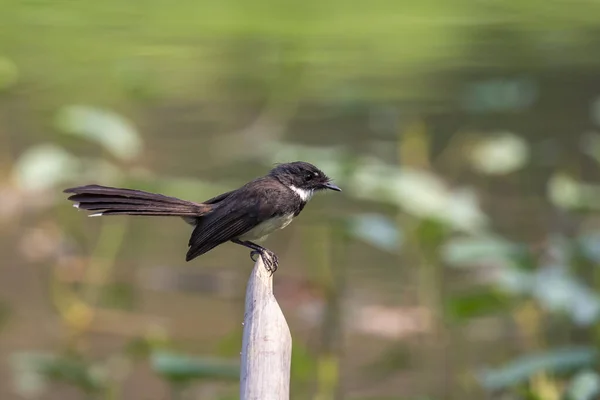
(269, 259)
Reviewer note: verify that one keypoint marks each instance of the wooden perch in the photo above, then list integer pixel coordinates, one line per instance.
(267, 342)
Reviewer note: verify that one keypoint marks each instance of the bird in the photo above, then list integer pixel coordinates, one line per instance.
(245, 216)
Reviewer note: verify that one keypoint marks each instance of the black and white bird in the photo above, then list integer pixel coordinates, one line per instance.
(243, 216)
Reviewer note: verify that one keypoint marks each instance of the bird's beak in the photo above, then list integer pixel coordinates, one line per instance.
(331, 186)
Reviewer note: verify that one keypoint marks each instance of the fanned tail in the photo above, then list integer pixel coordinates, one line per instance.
(116, 201)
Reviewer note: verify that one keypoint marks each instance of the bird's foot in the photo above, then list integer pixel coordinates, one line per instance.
(269, 259)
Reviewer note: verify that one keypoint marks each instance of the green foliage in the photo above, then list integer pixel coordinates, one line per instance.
(105, 128)
(180, 368)
(431, 234)
(523, 368)
(475, 251)
(376, 230)
(33, 371)
(44, 166)
(476, 303)
(584, 386)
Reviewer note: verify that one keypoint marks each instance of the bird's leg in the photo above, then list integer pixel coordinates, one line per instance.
(269, 258)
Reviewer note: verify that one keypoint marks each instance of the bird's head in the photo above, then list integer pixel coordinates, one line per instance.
(302, 177)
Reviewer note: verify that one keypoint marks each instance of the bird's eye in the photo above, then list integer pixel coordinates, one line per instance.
(308, 177)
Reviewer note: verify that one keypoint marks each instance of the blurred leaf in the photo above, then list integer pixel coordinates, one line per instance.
(558, 290)
(44, 166)
(183, 368)
(34, 370)
(106, 128)
(584, 386)
(431, 234)
(9, 73)
(463, 212)
(477, 251)
(501, 154)
(523, 368)
(498, 95)
(555, 289)
(590, 245)
(475, 304)
(376, 230)
(28, 379)
(515, 281)
(153, 340)
(566, 192)
(419, 193)
(76, 372)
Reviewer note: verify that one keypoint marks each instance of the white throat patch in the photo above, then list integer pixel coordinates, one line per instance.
(304, 194)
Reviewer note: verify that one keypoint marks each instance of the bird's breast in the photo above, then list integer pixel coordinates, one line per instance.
(262, 230)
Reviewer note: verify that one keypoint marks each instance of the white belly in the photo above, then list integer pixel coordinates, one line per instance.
(261, 231)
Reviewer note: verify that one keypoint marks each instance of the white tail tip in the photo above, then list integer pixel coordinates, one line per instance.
(95, 215)
(76, 205)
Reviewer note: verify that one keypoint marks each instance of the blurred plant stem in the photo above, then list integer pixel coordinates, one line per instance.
(329, 265)
(528, 319)
(103, 258)
(414, 145)
(77, 309)
(423, 237)
(429, 284)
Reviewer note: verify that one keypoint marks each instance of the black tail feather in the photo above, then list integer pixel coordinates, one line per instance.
(116, 201)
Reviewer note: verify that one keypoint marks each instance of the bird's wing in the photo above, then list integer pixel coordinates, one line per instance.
(222, 225)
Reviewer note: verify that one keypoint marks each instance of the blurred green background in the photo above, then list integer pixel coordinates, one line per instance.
(461, 261)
